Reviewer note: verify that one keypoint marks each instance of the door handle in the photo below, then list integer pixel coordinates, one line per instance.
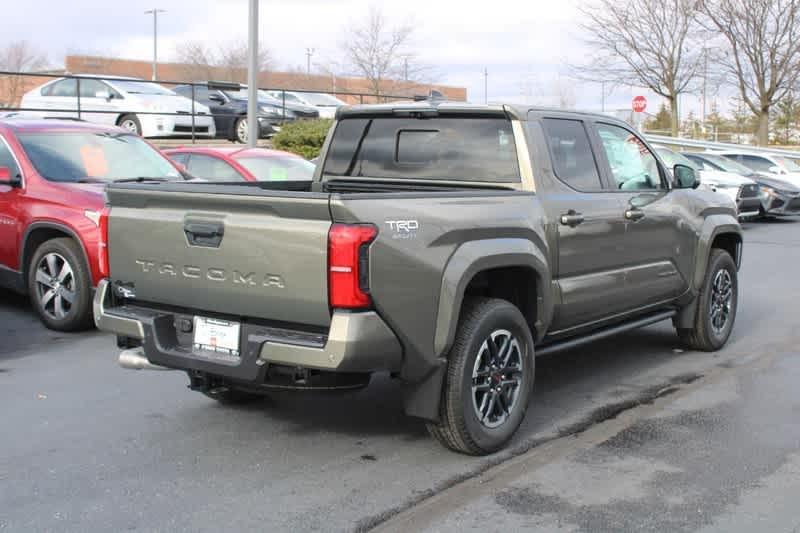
(571, 218)
(634, 214)
(207, 234)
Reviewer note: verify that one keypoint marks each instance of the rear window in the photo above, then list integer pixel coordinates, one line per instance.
(450, 148)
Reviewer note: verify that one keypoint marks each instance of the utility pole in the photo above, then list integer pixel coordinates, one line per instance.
(405, 68)
(252, 75)
(486, 85)
(155, 11)
(309, 53)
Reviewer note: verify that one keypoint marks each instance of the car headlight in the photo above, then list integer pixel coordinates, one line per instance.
(765, 192)
(271, 110)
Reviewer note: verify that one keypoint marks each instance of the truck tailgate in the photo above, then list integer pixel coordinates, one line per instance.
(217, 250)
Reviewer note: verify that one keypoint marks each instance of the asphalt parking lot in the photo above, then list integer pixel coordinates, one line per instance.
(627, 434)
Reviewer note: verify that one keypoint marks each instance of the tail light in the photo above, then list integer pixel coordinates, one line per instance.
(348, 265)
(102, 244)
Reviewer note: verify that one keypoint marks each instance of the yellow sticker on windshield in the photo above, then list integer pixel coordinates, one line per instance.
(94, 161)
(278, 174)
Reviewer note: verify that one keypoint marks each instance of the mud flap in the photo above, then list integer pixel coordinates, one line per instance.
(421, 399)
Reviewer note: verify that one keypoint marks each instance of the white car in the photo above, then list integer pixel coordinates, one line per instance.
(776, 166)
(743, 191)
(324, 103)
(140, 106)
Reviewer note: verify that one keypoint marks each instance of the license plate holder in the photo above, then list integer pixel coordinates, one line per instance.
(220, 339)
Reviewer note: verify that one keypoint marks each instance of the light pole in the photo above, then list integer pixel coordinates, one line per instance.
(155, 11)
(252, 75)
(309, 53)
(486, 85)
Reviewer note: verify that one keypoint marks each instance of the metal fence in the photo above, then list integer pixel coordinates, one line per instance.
(13, 85)
(693, 144)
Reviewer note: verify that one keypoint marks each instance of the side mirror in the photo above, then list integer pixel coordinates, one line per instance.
(685, 176)
(775, 169)
(216, 97)
(7, 179)
(105, 95)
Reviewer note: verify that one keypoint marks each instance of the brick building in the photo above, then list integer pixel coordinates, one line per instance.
(12, 88)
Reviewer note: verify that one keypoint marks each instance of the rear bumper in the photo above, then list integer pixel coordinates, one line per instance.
(355, 342)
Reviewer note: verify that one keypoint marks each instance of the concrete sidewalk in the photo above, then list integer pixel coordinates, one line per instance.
(719, 454)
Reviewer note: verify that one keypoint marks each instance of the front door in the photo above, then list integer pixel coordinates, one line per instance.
(591, 233)
(656, 241)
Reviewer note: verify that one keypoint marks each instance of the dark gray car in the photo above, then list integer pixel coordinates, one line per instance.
(443, 243)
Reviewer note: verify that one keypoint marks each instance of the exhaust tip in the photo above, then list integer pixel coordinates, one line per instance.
(134, 359)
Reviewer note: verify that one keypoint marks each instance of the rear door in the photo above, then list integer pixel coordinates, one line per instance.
(657, 246)
(591, 233)
(222, 249)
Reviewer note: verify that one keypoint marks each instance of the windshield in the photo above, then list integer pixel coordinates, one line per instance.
(140, 87)
(788, 164)
(94, 157)
(674, 158)
(726, 164)
(280, 168)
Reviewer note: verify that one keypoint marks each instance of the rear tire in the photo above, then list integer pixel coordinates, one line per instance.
(489, 378)
(130, 123)
(716, 305)
(60, 285)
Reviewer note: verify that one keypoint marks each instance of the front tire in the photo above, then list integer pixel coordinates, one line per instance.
(240, 132)
(716, 305)
(489, 378)
(60, 285)
(130, 123)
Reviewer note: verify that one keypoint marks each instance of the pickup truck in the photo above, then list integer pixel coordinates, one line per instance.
(444, 244)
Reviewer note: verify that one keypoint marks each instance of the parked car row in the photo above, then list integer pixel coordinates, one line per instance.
(151, 110)
(759, 184)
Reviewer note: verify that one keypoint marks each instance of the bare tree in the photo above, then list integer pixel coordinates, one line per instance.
(19, 56)
(379, 51)
(763, 56)
(643, 42)
(201, 61)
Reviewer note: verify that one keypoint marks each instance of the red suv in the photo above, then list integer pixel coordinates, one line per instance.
(52, 176)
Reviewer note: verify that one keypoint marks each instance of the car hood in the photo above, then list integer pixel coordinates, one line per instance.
(277, 102)
(777, 183)
(168, 103)
(720, 177)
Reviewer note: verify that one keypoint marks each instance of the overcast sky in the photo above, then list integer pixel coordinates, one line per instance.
(526, 46)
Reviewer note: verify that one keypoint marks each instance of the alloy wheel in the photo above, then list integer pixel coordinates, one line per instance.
(55, 285)
(720, 302)
(497, 378)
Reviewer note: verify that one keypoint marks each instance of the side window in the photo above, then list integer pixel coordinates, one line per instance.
(66, 88)
(212, 169)
(7, 158)
(757, 163)
(633, 166)
(89, 88)
(573, 160)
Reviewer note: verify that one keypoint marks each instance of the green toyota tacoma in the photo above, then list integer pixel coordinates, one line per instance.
(445, 244)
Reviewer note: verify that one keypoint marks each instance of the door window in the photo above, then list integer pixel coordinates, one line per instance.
(90, 88)
(633, 165)
(573, 160)
(66, 87)
(212, 168)
(179, 158)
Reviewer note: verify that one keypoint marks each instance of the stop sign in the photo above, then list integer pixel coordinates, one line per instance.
(639, 103)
